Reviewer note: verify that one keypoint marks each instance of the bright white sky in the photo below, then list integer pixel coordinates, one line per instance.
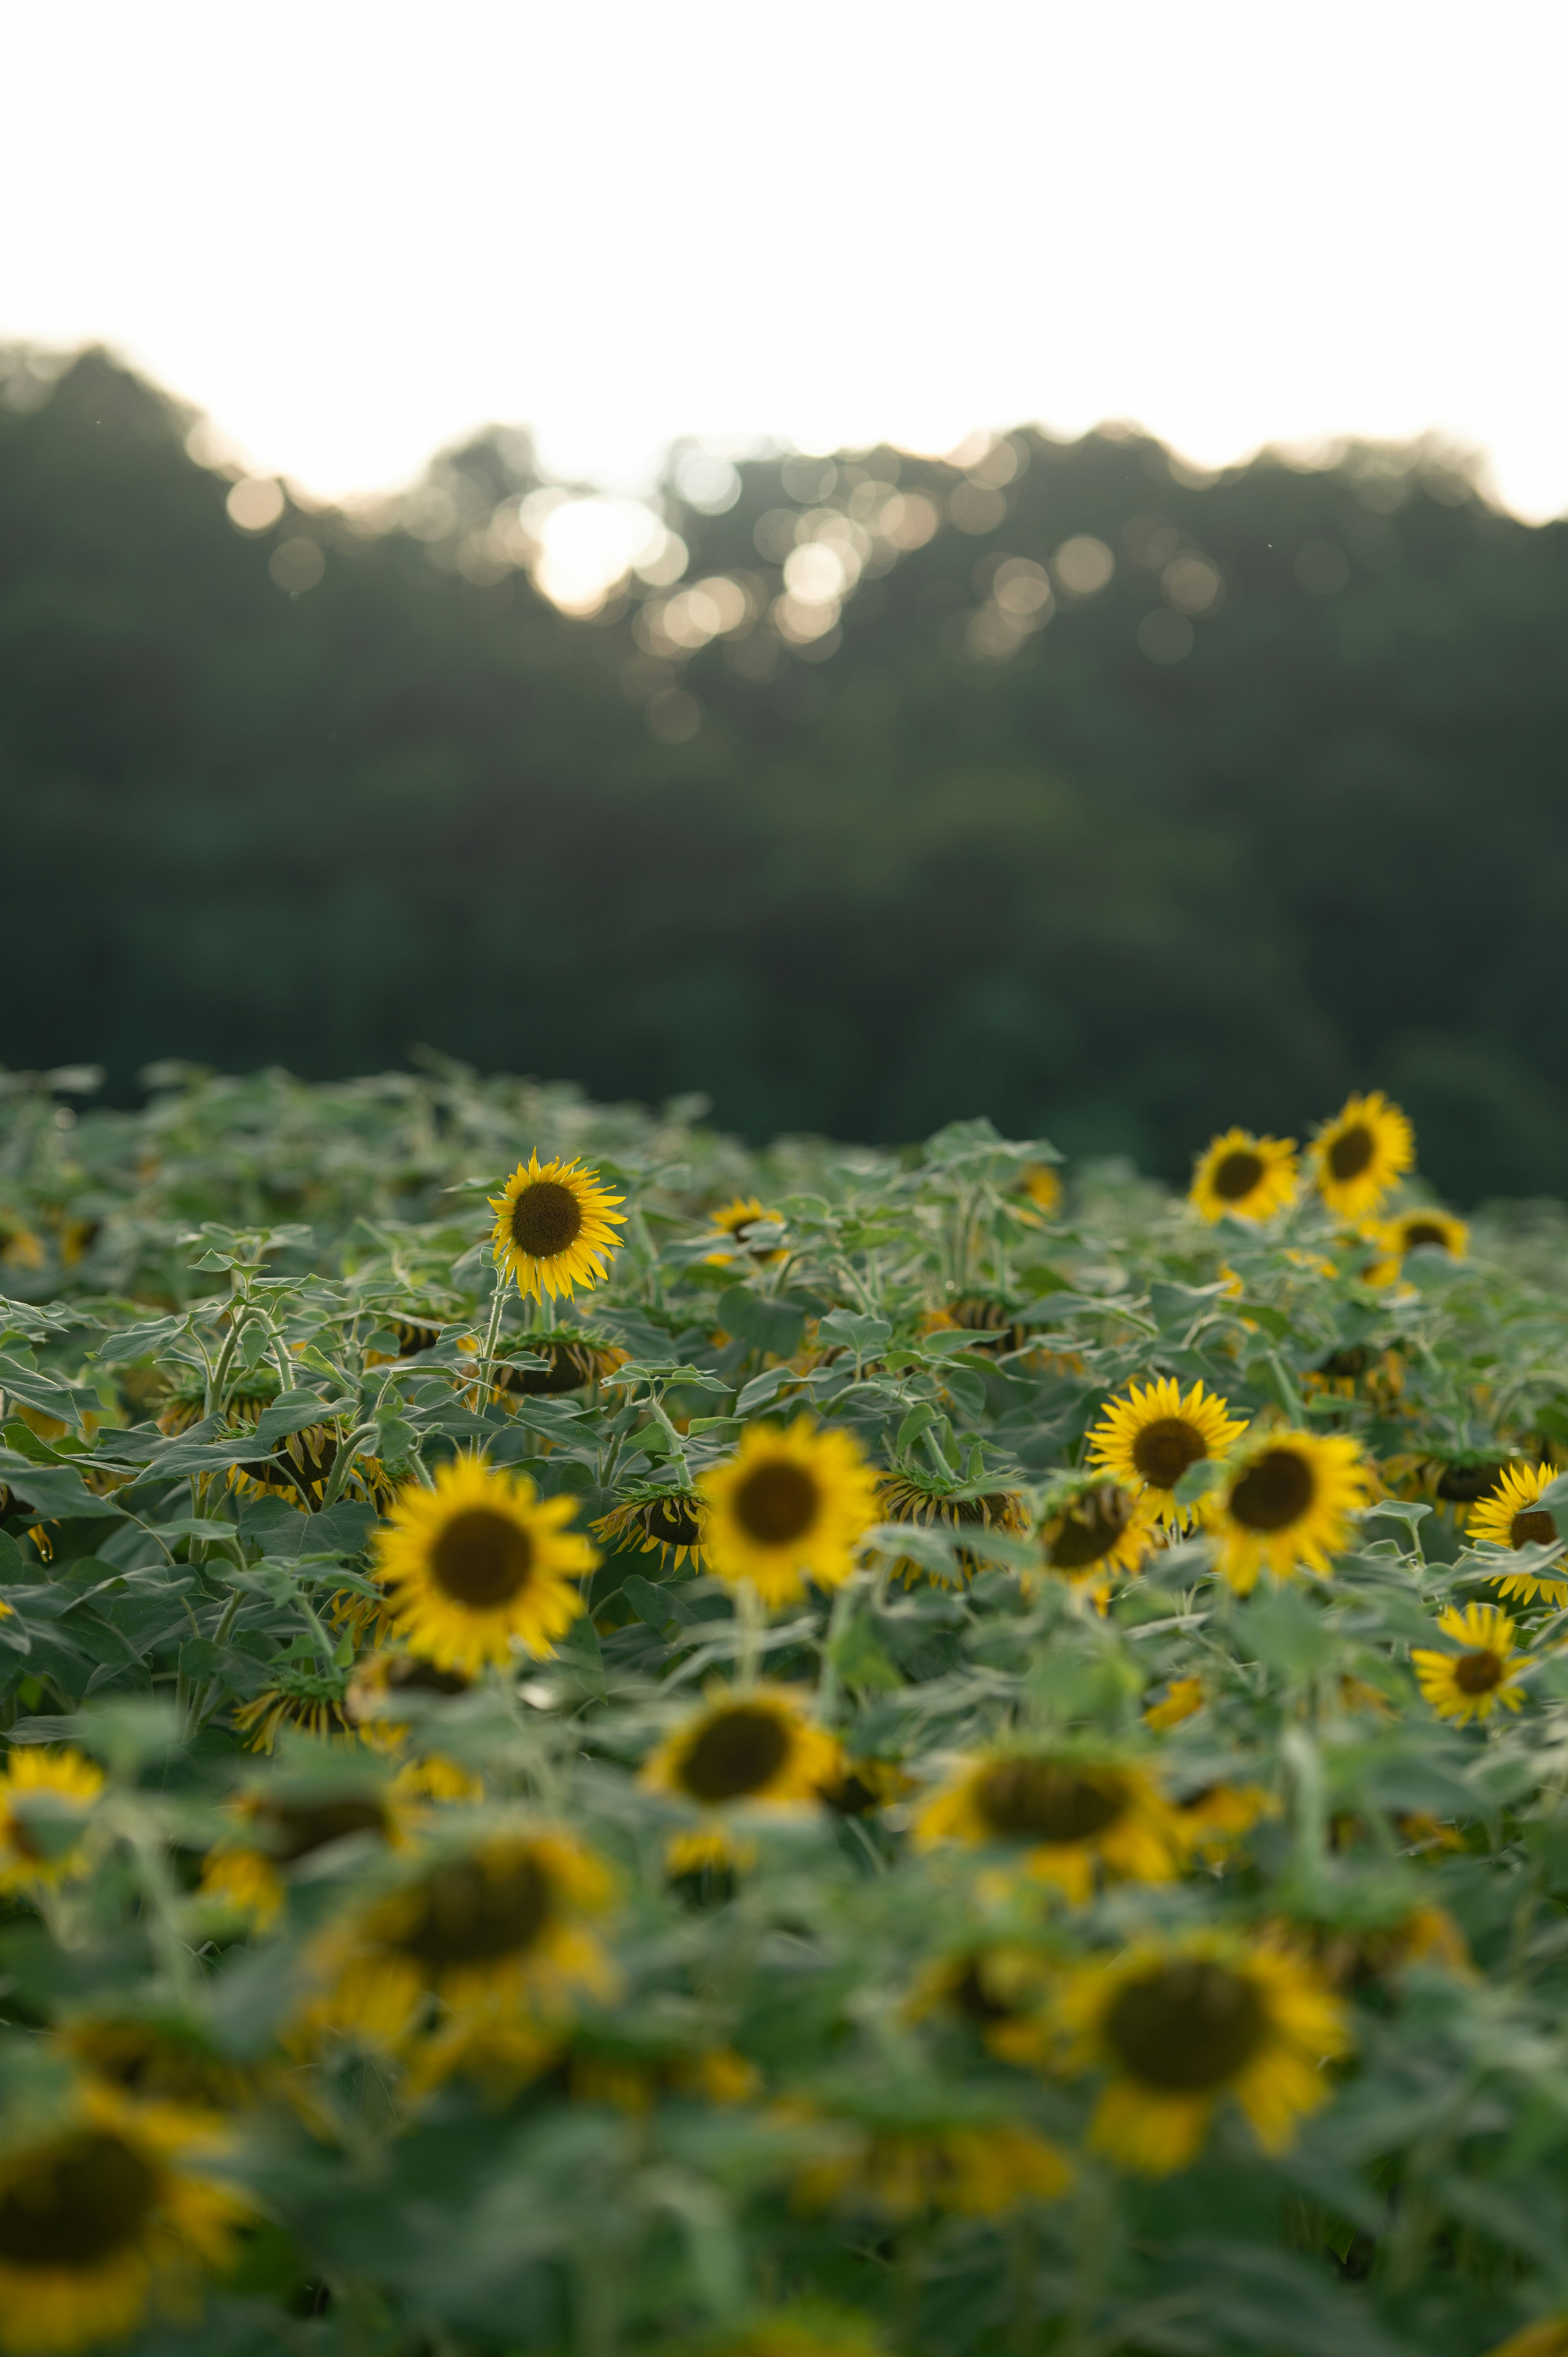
(352, 229)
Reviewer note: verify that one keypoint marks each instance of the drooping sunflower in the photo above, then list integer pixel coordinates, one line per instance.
(991, 1321)
(572, 1357)
(738, 1221)
(746, 1743)
(102, 2219)
(1092, 1529)
(1079, 1813)
(555, 1227)
(1483, 1671)
(789, 1506)
(301, 1695)
(276, 1830)
(378, 1680)
(898, 2168)
(503, 1929)
(1391, 1936)
(1244, 1177)
(1509, 1517)
(45, 1797)
(1182, 2025)
(1285, 1500)
(1149, 1438)
(665, 1523)
(478, 1563)
(956, 1506)
(1358, 1156)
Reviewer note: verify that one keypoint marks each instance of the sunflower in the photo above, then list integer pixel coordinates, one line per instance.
(1180, 2025)
(1548, 2337)
(802, 2330)
(709, 1859)
(1149, 1438)
(379, 1678)
(739, 1220)
(499, 1931)
(479, 1562)
(789, 1506)
(302, 1696)
(899, 2168)
(1092, 1529)
(1181, 1698)
(605, 2065)
(101, 2221)
(665, 1523)
(301, 1465)
(1076, 1811)
(155, 2060)
(1358, 1156)
(554, 1226)
(1468, 1684)
(1425, 1230)
(1353, 1956)
(572, 1357)
(746, 1743)
(1240, 1177)
(1001, 1990)
(991, 1323)
(1285, 1500)
(274, 1831)
(1509, 1517)
(859, 1787)
(45, 1801)
(1043, 1186)
(1217, 1815)
(920, 1499)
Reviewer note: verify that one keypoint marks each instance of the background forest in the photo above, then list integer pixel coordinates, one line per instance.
(1111, 803)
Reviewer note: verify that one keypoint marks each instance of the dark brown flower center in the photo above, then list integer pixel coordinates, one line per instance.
(1478, 1672)
(1273, 1492)
(80, 2201)
(737, 1752)
(1351, 1151)
(1348, 1363)
(1040, 1800)
(1238, 1175)
(1424, 1232)
(1164, 1449)
(672, 1522)
(1533, 1527)
(1461, 1485)
(481, 1559)
(296, 1828)
(1187, 2027)
(1089, 1529)
(776, 1503)
(567, 1368)
(546, 1219)
(469, 1913)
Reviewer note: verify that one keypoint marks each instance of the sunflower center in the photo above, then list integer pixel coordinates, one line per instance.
(776, 1503)
(1044, 1802)
(1351, 1151)
(567, 1369)
(673, 1523)
(737, 1752)
(1533, 1527)
(465, 1915)
(1187, 2027)
(1423, 1232)
(1164, 1449)
(481, 1559)
(546, 1219)
(1090, 1529)
(1275, 1492)
(1478, 1672)
(1237, 1174)
(79, 2203)
(296, 1828)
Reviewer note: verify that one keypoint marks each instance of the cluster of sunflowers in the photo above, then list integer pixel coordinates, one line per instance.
(834, 1755)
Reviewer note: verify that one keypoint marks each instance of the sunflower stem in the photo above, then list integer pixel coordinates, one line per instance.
(493, 1336)
(753, 1620)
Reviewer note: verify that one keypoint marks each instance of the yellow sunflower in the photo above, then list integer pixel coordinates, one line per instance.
(746, 1743)
(1218, 1815)
(922, 1499)
(803, 2330)
(1468, 1684)
(303, 1697)
(1425, 1230)
(501, 1930)
(1180, 1700)
(1076, 1811)
(1509, 1517)
(739, 1220)
(274, 1831)
(103, 2221)
(480, 1562)
(1285, 1500)
(45, 1797)
(1148, 1439)
(1041, 1186)
(1093, 1528)
(555, 1227)
(1181, 2025)
(1000, 1990)
(902, 2169)
(788, 1507)
(377, 1680)
(1244, 1177)
(1358, 1156)
(665, 1523)
(157, 2061)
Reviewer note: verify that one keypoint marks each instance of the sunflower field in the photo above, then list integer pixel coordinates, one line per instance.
(617, 1747)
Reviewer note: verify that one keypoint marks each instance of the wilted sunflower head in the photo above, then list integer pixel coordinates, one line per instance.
(555, 1227)
(745, 1744)
(379, 1679)
(572, 1357)
(665, 1523)
(1244, 1177)
(301, 1695)
(1285, 1501)
(1146, 1439)
(788, 1507)
(480, 1562)
(1358, 1155)
(928, 1502)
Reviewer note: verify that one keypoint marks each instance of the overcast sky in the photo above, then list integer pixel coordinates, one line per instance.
(353, 230)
